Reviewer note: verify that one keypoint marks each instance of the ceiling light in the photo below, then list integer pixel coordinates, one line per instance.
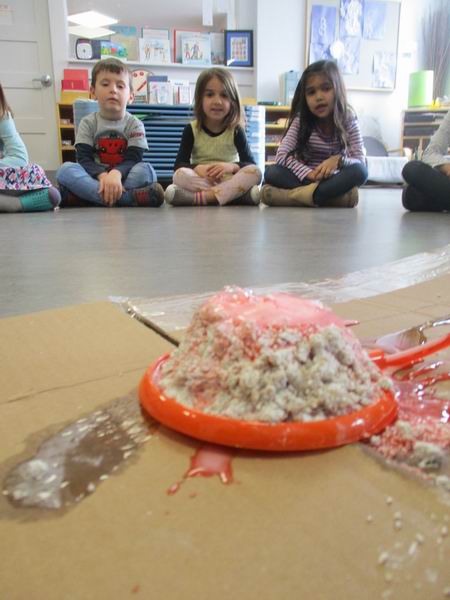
(91, 18)
(89, 32)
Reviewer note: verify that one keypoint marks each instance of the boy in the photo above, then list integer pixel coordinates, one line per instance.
(109, 146)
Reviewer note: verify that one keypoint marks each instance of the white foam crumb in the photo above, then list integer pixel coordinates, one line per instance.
(439, 540)
(90, 487)
(446, 592)
(64, 484)
(431, 575)
(444, 531)
(412, 548)
(383, 558)
(398, 515)
(369, 518)
(420, 538)
(389, 500)
(103, 477)
(398, 524)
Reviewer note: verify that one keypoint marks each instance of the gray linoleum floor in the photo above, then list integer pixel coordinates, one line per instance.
(74, 256)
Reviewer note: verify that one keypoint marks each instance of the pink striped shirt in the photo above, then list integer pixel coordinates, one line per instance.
(321, 147)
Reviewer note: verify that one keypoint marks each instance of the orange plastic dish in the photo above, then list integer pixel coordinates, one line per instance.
(256, 435)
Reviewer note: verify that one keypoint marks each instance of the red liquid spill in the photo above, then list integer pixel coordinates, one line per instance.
(206, 462)
(417, 395)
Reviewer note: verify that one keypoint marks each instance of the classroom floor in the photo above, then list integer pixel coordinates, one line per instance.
(74, 256)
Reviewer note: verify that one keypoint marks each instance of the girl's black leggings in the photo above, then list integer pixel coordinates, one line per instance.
(428, 189)
(342, 182)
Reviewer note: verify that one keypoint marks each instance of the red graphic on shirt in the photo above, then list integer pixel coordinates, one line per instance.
(111, 150)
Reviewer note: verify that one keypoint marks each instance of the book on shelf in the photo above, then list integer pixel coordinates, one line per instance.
(126, 36)
(156, 34)
(181, 91)
(154, 51)
(177, 33)
(160, 92)
(196, 49)
(139, 84)
(217, 48)
(112, 49)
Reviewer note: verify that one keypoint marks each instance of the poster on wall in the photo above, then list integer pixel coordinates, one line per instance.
(384, 65)
(361, 35)
(374, 20)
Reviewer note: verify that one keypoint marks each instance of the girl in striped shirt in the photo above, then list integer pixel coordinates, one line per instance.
(320, 161)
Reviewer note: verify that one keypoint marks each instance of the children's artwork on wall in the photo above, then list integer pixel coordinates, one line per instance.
(374, 20)
(350, 59)
(126, 36)
(196, 49)
(351, 13)
(154, 51)
(384, 64)
(361, 35)
(323, 25)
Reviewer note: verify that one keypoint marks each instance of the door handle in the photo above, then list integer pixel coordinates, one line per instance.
(45, 80)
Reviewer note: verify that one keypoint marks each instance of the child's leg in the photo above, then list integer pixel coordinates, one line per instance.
(430, 183)
(189, 189)
(237, 185)
(281, 177)
(32, 201)
(414, 200)
(72, 177)
(140, 175)
(189, 180)
(341, 183)
(284, 188)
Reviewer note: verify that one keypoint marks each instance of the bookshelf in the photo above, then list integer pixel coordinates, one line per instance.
(276, 118)
(66, 132)
(419, 124)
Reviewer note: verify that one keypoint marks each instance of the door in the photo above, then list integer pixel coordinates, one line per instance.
(26, 74)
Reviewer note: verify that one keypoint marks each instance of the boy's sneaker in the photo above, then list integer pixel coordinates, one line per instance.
(252, 197)
(149, 196)
(69, 200)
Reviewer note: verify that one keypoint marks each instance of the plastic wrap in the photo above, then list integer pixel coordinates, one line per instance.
(172, 313)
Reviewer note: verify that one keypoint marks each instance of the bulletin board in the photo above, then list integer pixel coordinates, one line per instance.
(362, 35)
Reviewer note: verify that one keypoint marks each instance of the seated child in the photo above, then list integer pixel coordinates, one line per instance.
(320, 161)
(429, 180)
(214, 164)
(109, 146)
(23, 186)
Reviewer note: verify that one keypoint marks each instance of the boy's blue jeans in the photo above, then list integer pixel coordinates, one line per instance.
(74, 178)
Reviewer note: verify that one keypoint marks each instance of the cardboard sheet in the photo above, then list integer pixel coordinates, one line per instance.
(314, 525)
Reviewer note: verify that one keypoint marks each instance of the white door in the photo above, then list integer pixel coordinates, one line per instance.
(26, 74)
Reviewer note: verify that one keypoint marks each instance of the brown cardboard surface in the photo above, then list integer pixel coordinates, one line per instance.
(289, 526)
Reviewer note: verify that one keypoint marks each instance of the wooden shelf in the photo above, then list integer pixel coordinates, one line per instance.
(274, 129)
(66, 132)
(418, 141)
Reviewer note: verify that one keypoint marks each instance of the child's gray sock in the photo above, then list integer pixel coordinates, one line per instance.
(10, 204)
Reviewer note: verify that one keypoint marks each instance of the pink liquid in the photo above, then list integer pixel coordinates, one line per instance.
(208, 461)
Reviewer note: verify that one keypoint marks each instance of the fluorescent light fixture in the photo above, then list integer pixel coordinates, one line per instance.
(89, 32)
(91, 18)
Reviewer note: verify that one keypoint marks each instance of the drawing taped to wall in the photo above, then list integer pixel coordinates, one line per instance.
(361, 35)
